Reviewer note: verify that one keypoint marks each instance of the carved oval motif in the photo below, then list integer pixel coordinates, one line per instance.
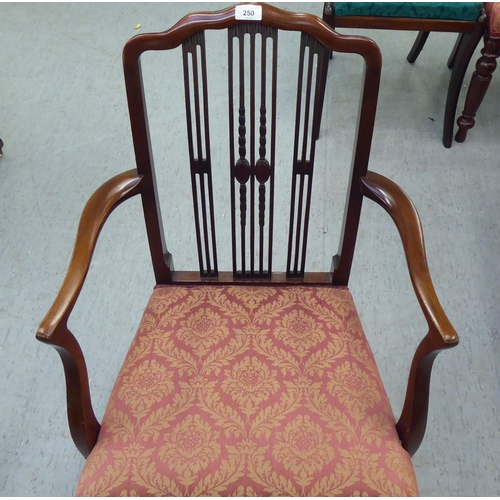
(242, 170)
(262, 170)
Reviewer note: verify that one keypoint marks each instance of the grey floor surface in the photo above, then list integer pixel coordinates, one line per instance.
(63, 119)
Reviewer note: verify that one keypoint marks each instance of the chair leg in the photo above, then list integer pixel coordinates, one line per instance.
(463, 57)
(328, 17)
(328, 14)
(417, 46)
(454, 52)
(1, 147)
(480, 81)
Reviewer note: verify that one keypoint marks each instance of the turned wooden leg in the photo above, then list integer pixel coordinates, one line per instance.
(465, 51)
(417, 46)
(480, 81)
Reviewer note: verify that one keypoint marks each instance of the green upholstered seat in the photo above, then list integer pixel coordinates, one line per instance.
(458, 11)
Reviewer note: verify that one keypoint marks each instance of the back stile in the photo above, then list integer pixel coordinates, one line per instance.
(160, 256)
(342, 262)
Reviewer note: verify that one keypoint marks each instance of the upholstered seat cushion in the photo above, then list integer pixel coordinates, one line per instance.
(458, 11)
(493, 12)
(256, 391)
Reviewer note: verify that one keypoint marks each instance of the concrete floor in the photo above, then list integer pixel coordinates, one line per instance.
(64, 122)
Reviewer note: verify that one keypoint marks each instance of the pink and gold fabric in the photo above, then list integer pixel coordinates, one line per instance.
(249, 391)
(493, 11)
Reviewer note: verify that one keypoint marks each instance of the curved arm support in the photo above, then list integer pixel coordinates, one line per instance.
(53, 330)
(441, 335)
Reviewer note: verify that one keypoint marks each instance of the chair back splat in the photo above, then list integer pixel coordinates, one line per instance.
(253, 120)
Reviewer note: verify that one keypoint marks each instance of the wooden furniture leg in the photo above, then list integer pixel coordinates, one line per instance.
(454, 52)
(417, 46)
(1, 147)
(480, 81)
(466, 49)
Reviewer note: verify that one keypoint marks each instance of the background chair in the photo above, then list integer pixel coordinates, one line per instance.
(249, 381)
(485, 67)
(464, 18)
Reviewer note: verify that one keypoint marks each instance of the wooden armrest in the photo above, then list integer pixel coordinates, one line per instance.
(441, 335)
(54, 331)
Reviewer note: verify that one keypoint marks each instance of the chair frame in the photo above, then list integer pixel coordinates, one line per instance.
(470, 33)
(54, 330)
(480, 81)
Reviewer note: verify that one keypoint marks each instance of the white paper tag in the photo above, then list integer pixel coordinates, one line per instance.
(248, 12)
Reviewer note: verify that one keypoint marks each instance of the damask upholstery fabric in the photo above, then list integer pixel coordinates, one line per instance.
(493, 11)
(458, 11)
(249, 391)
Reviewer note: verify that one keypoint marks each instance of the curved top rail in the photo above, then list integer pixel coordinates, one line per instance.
(271, 16)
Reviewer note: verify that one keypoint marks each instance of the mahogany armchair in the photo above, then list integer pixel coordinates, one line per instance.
(249, 381)
(465, 18)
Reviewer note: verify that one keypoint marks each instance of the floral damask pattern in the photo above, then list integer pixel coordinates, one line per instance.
(303, 449)
(248, 391)
(189, 448)
(202, 330)
(299, 331)
(147, 384)
(250, 383)
(356, 389)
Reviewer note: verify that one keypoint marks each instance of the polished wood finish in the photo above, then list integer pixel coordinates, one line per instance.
(479, 84)
(304, 151)
(454, 52)
(251, 169)
(465, 50)
(248, 171)
(471, 32)
(245, 168)
(441, 335)
(403, 23)
(195, 68)
(417, 46)
(54, 330)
